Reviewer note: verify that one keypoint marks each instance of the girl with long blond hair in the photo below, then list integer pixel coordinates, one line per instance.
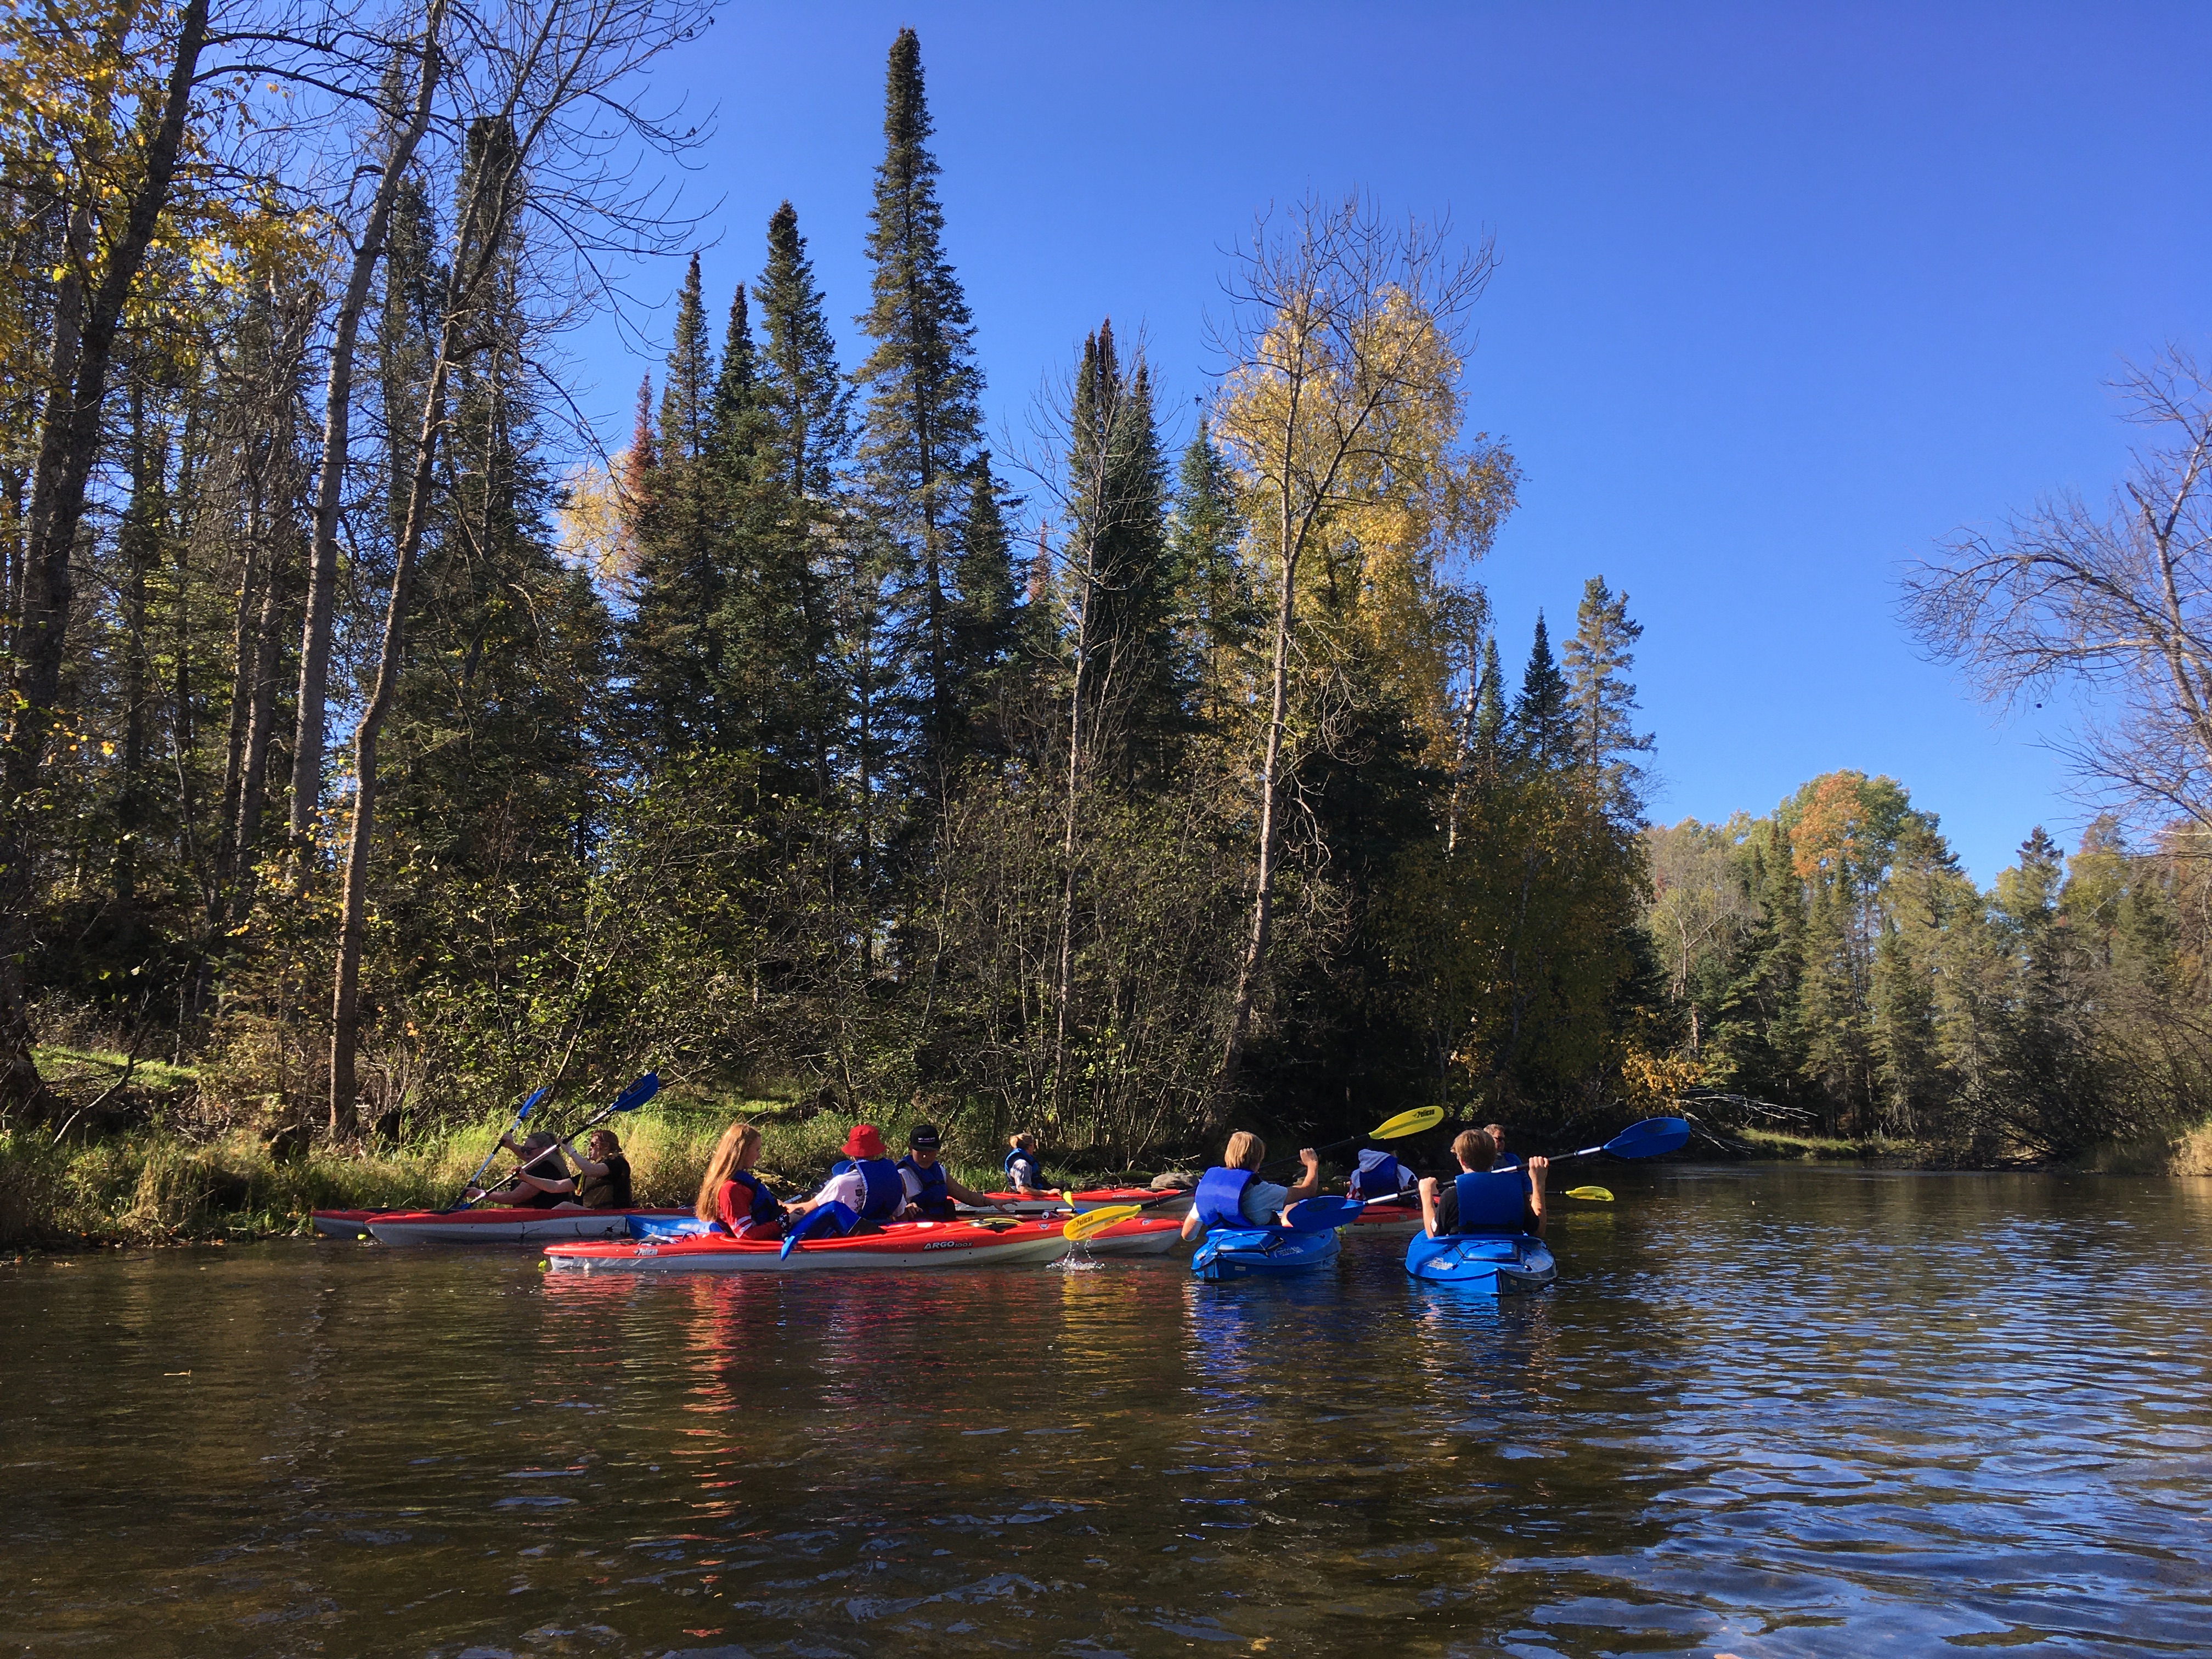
(731, 1196)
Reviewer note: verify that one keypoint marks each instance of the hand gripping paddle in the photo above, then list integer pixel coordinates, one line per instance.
(521, 1116)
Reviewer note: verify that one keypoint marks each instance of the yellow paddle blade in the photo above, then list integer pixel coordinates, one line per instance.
(1409, 1123)
(1091, 1223)
(1595, 1195)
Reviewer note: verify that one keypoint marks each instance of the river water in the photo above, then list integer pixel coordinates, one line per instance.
(1765, 1411)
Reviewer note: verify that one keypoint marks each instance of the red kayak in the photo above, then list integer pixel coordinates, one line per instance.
(903, 1245)
(1140, 1235)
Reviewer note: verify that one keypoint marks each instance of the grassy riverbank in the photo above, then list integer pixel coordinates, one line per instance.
(151, 1186)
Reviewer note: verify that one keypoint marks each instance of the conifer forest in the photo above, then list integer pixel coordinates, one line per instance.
(377, 751)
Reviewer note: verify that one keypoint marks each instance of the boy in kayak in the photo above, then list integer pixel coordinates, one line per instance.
(1485, 1199)
(1024, 1173)
(1231, 1194)
(602, 1181)
(931, 1191)
(540, 1184)
(867, 1183)
(731, 1196)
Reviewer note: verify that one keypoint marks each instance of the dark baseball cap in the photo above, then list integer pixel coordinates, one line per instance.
(924, 1138)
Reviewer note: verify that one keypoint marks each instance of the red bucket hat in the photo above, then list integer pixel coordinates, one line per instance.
(864, 1141)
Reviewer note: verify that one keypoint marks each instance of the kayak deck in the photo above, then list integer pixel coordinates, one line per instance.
(1482, 1261)
(904, 1244)
(1244, 1253)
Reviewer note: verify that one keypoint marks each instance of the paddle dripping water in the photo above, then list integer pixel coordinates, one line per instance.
(1765, 1413)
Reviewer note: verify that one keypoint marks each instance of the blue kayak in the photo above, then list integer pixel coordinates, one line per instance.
(1486, 1261)
(1238, 1253)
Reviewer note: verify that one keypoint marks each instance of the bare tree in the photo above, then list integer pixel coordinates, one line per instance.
(550, 115)
(1328, 379)
(2117, 605)
(406, 124)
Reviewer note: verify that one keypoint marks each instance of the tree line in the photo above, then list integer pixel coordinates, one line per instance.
(1110, 781)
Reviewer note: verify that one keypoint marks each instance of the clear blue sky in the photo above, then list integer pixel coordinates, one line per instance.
(1784, 295)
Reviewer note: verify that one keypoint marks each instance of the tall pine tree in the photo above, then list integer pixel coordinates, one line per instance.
(1603, 701)
(921, 423)
(1543, 720)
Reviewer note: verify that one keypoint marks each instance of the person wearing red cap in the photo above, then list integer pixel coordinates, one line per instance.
(867, 1183)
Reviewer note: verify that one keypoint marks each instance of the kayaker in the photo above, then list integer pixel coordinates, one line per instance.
(1505, 1160)
(1024, 1173)
(540, 1183)
(731, 1196)
(602, 1179)
(1485, 1199)
(868, 1182)
(1231, 1194)
(1380, 1176)
(931, 1191)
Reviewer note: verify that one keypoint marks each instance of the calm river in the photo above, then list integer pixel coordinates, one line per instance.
(1765, 1411)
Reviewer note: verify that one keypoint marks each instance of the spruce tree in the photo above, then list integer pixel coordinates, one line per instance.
(1129, 590)
(1489, 715)
(805, 405)
(679, 701)
(1603, 699)
(982, 616)
(1214, 612)
(1543, 720)
(921, 423)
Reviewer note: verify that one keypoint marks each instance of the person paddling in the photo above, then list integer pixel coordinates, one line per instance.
(1505, 1160)
(540, 1183)
(931, 1191)
(731, 1196)
(1484, 1199)
(1231, 1194)
(602, 1181)
(868, 1182)
(1024, 1173)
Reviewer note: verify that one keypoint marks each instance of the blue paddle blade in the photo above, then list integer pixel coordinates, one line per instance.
(1650, 1138)
(530, 1105)
(1318, 1215)
(637, 1093)
(833, 1211)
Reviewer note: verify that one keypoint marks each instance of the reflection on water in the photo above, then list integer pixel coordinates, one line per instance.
(1765, 1413)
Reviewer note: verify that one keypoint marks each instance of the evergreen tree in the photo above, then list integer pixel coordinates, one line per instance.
(983, 615)
(1489, 715)
(805, 405)
(1603, 701)
(1543, 717)
(680, 702)
(921, 421)
(1214, 611)
(1127, 584)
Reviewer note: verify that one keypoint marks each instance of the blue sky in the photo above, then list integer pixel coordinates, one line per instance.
(1785, 294)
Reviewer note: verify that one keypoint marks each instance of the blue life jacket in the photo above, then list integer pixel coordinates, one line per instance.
(933, 1200)
(1220, 1196)
(1492, 1202)
(1379, 1174)
(885, 1194)
(1035, 1175)
(1503, 1162)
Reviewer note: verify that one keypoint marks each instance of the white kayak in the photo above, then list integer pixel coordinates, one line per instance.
(500, 1226)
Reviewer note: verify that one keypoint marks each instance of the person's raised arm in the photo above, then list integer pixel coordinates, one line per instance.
(584, 1165)
(1309, 1182)
(1428, 1205)
(1536, 1167)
